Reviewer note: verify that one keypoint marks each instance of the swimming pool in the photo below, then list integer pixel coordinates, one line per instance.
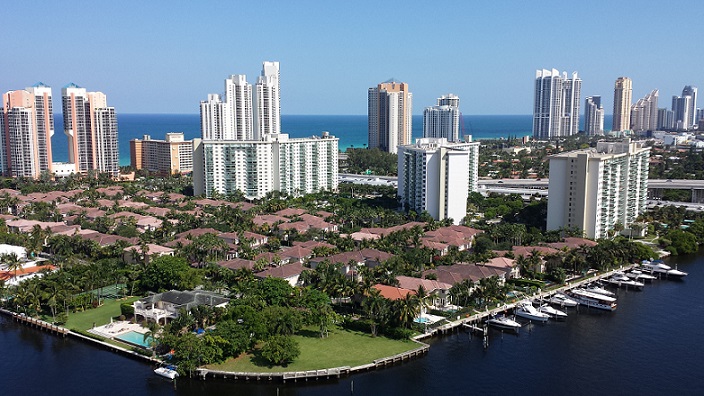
(134, 338)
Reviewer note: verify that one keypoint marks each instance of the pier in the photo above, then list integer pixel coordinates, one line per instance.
(36, 323)
(471, 322)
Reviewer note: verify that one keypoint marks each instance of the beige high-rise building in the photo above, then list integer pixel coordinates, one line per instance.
(170, 156)
(596, 188)
(623, 92)
(91, 128)
(390, 116)
(26, 126)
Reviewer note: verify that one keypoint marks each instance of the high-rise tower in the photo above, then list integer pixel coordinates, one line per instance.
(644, 114)
(238, 123)
(443, 120)
(268, 117)
(593, 116)
(556, 104)
(212, 118)
(390, 115)
(692, 92)
(27, 124)
(91, 128)
(622, 104)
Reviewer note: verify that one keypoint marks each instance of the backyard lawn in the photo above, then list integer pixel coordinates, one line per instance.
(100, 316)
(341, 348)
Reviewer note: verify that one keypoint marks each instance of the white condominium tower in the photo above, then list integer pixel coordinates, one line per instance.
(437, 176)
(594, 189)
(691, 92)
(684, 108)
(26, 128)
(390, 115)
(644, 114)
(443, 120)
(623, 91)
(212, 118)
(238, 121)
(556, 104)
(232, 116)
(268, 101)
(91, 128)
(593, 116)
(274, 163)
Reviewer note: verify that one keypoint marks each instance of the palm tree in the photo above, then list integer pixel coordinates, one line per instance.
(12, 262)
(152, 335)
(375, 307)
(407, 309)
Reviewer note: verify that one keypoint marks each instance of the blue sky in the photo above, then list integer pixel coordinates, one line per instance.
(164, 57)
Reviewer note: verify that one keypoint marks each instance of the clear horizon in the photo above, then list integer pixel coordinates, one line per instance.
(164, 58)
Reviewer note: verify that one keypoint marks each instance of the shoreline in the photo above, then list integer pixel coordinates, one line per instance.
(204, 374)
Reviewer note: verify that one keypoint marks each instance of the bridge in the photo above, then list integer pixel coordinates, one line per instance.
(539, 187)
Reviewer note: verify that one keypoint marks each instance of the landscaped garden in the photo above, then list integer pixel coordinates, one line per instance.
(341, 348)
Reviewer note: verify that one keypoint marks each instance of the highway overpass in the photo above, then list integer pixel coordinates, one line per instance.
(539, 187)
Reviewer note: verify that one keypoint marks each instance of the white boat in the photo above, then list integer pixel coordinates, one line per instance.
(528, 311)
(659, 267)
(640, 276)
(675, 273)
(591, 299)
(504, 322)
(167, 372)
(599, 290)
(554, 313)
(562, 300)
(624, 281)
(619, 276)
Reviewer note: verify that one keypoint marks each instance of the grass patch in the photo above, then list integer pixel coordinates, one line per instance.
(100, 316)
(341, 348)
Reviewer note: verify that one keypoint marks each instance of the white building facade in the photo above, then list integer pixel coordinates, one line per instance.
(644, 114)
(276, 163)
(593, 116)
(595, 189)
(443, 120)
(437, 176)
(556, 103)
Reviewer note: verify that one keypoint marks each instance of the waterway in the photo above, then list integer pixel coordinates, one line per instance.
(651, 345)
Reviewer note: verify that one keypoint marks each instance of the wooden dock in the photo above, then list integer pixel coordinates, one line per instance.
(471, 321)
(36, 323)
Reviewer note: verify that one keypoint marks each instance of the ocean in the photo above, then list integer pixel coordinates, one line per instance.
(351, 129)
(649, 346)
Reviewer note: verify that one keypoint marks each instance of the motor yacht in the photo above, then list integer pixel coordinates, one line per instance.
(526, 310)
(595, 300)
(504, 322)
(640, 276)
(562, 300)
(554, 313)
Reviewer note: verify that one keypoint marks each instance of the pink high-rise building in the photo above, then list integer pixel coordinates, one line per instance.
(27, 125)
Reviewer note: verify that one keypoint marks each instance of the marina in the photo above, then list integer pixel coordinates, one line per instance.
(596, 343)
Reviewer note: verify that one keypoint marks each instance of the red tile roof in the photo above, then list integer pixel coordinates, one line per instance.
(392, 293)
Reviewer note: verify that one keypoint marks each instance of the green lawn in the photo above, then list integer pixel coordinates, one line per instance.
(100, 316)
(341, 348)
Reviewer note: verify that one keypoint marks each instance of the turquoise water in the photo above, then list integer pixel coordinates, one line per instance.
(135, 338)
(351, 129)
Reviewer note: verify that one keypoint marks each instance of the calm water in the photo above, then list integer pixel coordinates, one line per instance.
(351, 129)
(650, 346)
